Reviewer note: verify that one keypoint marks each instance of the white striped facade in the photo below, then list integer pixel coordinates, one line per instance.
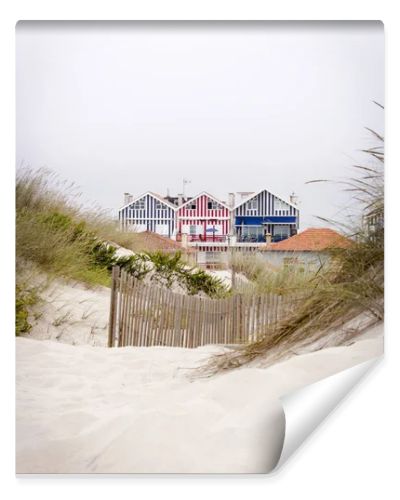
(262, 214)
(264, 204)
(149, 212)
(205, 218)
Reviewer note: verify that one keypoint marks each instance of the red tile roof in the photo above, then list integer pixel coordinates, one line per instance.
(311, 240)
(152, 242)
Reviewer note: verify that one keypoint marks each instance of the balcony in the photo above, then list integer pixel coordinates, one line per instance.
(200, 238)
(259, 238)
(250, 238)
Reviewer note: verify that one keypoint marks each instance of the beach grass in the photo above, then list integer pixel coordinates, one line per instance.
(58, 236)
(265, 278)
(352, 285)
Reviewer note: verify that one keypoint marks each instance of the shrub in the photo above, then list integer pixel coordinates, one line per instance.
(168, 269)
(137, 265)
(103, 255)
(24, 299)
(197, 280)
(59, 237)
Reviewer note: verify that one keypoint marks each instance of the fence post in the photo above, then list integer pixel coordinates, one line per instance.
(242, 312)
(113, 306)
(233, 268)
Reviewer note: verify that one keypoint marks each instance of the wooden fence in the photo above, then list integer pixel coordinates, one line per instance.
(148, 315)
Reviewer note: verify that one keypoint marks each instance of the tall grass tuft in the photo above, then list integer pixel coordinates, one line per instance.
(56, 236)
(352, 285)
(60, 235)
(51, 232)
(265, 278)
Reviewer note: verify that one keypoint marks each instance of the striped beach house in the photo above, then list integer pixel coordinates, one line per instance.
(203, 218)
(148, 212)
(263, 216)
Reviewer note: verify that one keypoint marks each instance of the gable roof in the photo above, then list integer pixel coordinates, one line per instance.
(154, 195)
(206, 194)
(253, 195)
(311, 240)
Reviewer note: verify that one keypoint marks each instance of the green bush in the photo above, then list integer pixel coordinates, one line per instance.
(168, 269)
(24, 298)
(59, 238)
(172, 268)
(103, 255)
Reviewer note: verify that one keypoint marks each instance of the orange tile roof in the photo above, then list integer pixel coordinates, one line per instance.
(152, 242)
(311, 240)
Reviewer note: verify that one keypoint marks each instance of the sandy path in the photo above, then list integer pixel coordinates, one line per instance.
(91, 409)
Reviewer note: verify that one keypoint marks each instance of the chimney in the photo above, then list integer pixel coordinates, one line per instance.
(294, 198)
(180, 199)
(127, 198)
(231, 200)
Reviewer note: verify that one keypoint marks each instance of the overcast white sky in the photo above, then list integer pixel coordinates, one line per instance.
(230, 106)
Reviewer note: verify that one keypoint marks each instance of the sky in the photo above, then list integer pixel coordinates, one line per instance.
(239, 106)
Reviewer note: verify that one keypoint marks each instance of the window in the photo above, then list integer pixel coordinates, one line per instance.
(139, 205)
(281, 232)
(281, 208)
(290, 261)
(252, 234)
(192, 230)
(192, 205)
(213, 205)
(251, 207)
(161, 210)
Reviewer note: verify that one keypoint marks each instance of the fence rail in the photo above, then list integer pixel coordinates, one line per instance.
(148, 315)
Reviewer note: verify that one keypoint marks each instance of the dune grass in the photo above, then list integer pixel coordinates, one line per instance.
(59, 237)
(51, 232)
(265, 278)
(352, 285)
(53, 239)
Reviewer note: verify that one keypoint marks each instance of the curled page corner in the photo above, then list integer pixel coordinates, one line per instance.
(306, 408)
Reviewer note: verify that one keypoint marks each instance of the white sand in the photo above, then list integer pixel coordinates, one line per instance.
(92, 409)
(86, 408)
(122, 252)
(225, 275)
(72, 313)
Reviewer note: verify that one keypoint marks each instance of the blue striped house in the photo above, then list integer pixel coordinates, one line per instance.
(261, 215)
(148, 212)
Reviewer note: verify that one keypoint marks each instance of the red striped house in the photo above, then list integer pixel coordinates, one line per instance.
(203, 218)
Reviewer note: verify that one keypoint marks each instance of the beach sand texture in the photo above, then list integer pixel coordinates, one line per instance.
(83, 409)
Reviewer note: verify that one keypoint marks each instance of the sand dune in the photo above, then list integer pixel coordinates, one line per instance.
(72, 313)
(83, 409)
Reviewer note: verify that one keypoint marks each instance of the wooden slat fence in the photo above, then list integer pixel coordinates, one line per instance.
(148, 315)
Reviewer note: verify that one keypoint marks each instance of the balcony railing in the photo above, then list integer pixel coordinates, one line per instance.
(247, 238)
(201, 238)
(258, 238)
